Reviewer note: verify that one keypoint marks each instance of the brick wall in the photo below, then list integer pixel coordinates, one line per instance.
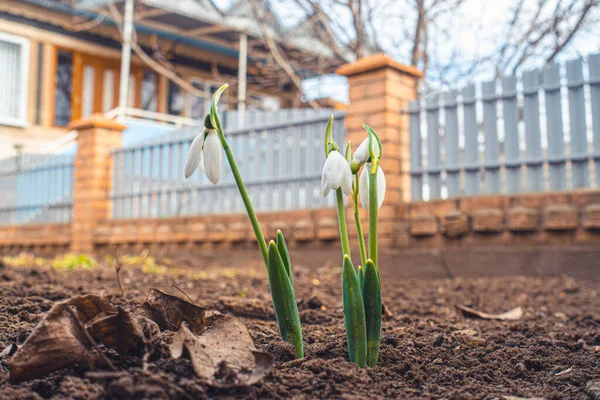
(379, 89)
(566, 218)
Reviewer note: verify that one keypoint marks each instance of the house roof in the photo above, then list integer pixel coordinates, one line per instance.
(200, 23)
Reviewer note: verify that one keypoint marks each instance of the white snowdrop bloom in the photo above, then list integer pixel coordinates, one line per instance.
(336, 174)
(363, 186)
(194, 157)
(362, 154)
(213, 156)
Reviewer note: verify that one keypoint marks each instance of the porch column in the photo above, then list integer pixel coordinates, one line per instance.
(242, 71)
(96, 137)
(380, 90)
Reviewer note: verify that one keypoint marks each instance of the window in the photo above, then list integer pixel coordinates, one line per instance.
(176, 100)
(149, 90)
(200, 106)
(14, 79)
(64, 88)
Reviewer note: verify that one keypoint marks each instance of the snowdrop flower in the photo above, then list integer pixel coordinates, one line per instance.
(194, 157)
(206, 152)
(361, 155)
(213, 156)
(363, 185)
(336, 174)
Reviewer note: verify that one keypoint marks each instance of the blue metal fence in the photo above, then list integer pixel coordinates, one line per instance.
(36, 189)
(280, 162)
(540, 132)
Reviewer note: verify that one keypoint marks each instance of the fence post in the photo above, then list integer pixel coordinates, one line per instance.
(93, 177)
(380, 89)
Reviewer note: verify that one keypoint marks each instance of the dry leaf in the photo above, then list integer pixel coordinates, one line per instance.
(55, 343)
(170, 311)
(225, 355)
(68, 330)
(117, 330)
(8, 351)
(514, 314)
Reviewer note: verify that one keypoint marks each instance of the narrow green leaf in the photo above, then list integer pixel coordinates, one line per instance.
(328, 135)
(374, 145)
(372, 299)
(361, 277)
(214, 110)
(354, 314)
(284, 300)
(285, 255)
(348, 152)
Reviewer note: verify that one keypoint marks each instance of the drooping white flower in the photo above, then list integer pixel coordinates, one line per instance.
(363, 186)
(213, 156)
(194, 157)
(206, 153)
(362, 154)
(336, 174)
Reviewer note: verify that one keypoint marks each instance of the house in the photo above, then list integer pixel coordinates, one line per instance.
(61, 60)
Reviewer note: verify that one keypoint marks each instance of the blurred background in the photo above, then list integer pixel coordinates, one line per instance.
(489, 114)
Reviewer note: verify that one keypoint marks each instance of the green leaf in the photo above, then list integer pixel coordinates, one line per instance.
(284, 301)
(354, 314)
(348, 152)
(374, 146)
(214, 110)
(285, 255)
(372, 299)
(328, 135)
(361, 277)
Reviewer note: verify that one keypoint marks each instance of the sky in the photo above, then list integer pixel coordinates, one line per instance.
(474, 29)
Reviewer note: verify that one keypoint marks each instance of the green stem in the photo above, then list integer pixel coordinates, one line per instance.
(359, 230)
(342, 222)
(260, 238)
(373, 209)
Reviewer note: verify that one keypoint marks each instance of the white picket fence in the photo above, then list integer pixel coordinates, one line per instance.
(537, 133)
(280, 158)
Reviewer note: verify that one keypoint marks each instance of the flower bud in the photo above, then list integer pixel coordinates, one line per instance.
(363, 185)
(336, 174)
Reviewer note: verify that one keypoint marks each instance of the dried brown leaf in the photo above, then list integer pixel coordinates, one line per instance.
(117, 330)
(514, 314)
(225, 355)
(67, 332)
(170, 311)
(55, 343)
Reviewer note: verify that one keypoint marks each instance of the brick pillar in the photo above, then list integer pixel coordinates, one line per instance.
(380, 88)
(93, 177)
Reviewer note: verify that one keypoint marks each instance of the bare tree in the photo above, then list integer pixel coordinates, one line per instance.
(533, 32)
(542, 31)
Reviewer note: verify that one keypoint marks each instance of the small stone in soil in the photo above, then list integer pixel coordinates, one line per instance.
(593, 389)
(390, 340)
(121, 388)
(438, 340)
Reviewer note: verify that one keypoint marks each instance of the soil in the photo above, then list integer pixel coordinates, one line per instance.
(428, 350)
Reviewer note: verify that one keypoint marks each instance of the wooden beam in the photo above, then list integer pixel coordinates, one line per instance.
(48, 85)
(207, 30)
(154, 12)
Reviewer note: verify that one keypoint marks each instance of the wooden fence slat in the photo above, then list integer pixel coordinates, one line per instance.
(533, 142)
(594, 72)
(472, 179)
(554, 125)
(452, 150)
(433, 144)
(491, 149)
(579, 149)
(510, 111)
(416, 164)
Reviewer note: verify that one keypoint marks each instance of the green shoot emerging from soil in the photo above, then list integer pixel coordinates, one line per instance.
(206, 152)
(361, 288)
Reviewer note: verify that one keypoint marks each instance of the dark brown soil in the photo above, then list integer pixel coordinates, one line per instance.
(428, 349)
